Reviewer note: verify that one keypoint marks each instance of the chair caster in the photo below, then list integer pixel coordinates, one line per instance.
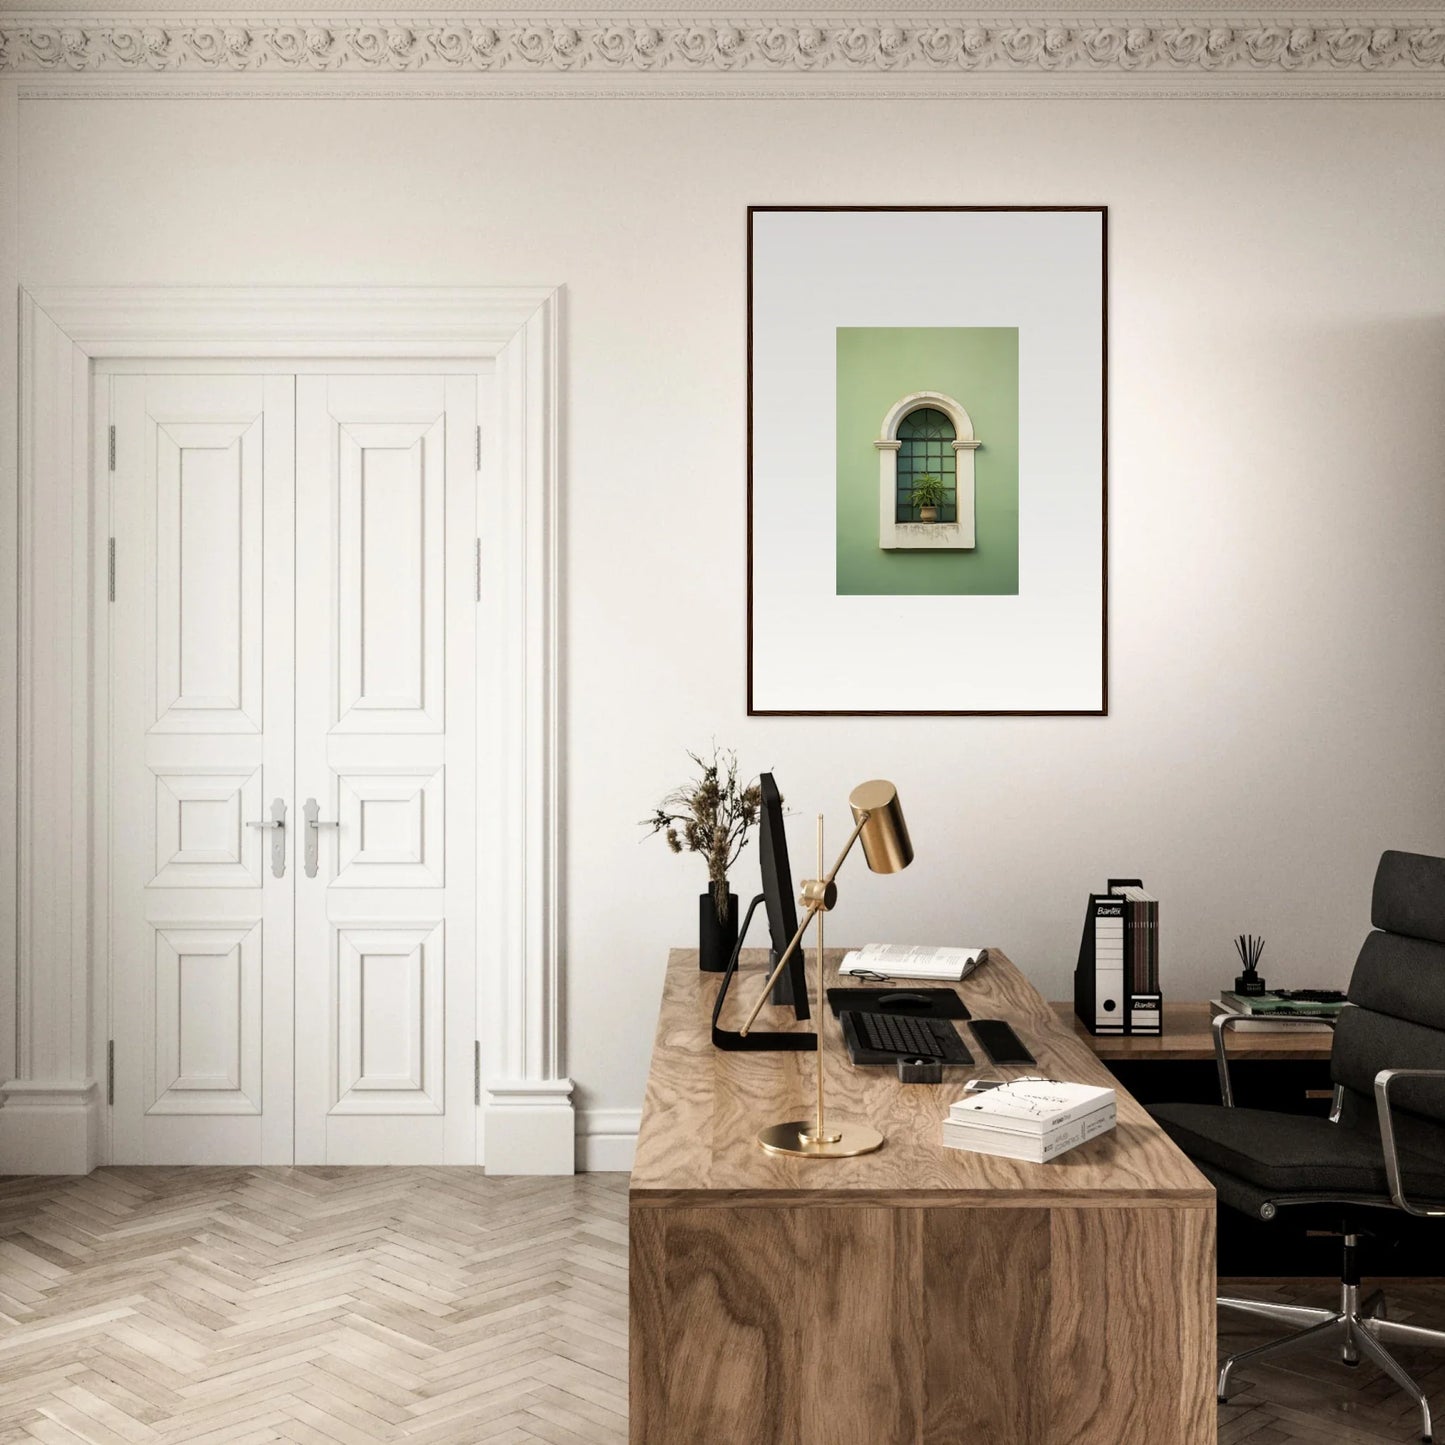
(1352, 1364)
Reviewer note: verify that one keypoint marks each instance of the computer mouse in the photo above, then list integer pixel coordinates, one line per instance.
(903, 999)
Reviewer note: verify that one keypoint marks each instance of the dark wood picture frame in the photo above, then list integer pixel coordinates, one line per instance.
(1103, 709)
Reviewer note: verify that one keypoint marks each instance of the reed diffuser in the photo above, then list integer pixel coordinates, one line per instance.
(1249, 948)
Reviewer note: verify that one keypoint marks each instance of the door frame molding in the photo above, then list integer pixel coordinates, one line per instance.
(52, 1114)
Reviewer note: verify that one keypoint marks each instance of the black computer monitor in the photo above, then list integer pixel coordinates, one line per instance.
(791, 987)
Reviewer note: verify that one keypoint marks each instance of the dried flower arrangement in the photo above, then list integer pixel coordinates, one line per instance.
(712, 816)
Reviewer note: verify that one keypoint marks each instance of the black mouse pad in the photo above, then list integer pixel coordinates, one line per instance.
(918, 1003)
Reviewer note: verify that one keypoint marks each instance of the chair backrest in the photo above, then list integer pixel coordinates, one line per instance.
(1398, 993)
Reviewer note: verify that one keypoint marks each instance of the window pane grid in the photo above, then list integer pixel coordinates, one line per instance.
(926, 436)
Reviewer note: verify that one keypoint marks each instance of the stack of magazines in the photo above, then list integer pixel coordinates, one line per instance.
(1032, 1119)
(1263, 1011)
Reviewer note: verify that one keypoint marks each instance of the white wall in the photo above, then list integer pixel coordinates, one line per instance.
(1277, 491)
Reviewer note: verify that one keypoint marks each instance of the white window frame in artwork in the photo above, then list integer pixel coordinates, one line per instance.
(896, 536)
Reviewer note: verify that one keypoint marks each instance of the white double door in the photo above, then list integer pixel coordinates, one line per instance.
(292, 853)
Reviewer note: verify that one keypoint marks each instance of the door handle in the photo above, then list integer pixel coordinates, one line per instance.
(314, 825)
(276, 821)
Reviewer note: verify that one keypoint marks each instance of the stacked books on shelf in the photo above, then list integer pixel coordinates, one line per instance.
(1116, 983)
(1031, 1119)
(1261, 1012)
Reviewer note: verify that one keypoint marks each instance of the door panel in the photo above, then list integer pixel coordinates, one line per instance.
(201, 743)
(207, 1051)
(208, 481)
(385, 734)
(391, 570)
(390, 997)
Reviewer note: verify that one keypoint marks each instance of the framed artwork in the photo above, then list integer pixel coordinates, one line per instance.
(927, 460)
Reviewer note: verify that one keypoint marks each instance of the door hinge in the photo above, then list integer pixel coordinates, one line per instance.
(110, 568)
(110, 1072)
(479, 448)
(478, 569)
(476, 1071)
(112, 448)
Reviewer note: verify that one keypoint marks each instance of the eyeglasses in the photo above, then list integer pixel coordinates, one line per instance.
(869, 975)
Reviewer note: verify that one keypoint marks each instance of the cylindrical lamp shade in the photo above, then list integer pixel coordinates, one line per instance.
(885, 840)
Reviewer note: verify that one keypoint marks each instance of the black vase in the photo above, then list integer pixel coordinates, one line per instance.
(716, 939)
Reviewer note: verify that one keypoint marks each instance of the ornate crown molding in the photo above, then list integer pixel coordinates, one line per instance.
(931, 46)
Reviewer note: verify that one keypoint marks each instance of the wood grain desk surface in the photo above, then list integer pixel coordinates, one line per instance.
(704, 1106)
(1187, 1035)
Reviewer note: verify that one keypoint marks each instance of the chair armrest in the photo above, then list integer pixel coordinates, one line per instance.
(1222, 1025)
(1383, 1080)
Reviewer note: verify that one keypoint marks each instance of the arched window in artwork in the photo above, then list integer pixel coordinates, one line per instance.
(926, 435)
(927, 439)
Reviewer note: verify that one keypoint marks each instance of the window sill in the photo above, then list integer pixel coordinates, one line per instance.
(928, 537)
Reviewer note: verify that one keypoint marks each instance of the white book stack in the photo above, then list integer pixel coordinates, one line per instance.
(1032, 1119)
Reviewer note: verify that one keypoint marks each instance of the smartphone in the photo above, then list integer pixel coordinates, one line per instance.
(1000, 1042)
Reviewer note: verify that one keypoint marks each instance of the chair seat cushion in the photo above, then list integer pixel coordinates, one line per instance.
(1292, 1153)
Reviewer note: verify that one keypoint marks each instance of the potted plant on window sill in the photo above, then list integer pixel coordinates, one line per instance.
(929, 494)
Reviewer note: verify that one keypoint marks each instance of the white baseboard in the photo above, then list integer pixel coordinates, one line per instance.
(55, 1129)
(530, 1127)
(607, 1139)
(49, 1128)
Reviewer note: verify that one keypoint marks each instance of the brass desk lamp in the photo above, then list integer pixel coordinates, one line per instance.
(878, 822)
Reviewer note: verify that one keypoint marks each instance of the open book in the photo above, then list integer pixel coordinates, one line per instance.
(902, 960)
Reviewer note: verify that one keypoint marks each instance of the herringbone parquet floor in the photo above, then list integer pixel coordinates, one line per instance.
(347, 1306)
(322, 1306)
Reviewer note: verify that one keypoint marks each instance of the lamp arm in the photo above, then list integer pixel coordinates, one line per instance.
(814, 909)
(847, 848)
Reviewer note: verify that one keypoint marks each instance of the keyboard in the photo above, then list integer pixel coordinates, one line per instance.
(884, 1038)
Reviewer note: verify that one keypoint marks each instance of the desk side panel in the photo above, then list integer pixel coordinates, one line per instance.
(716, 1329)
(647, 1345)
(1132, 1326)
(853, 1325)
(986, 1300)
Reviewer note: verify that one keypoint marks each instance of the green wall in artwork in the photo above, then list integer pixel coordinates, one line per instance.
(979, 368)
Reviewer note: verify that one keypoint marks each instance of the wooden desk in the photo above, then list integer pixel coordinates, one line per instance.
(1285, 1072)
(919, 1295)
(1187, 1036)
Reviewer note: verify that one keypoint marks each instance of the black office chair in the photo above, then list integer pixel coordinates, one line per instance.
(1381, 1151)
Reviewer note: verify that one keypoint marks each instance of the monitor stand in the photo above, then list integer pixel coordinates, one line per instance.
(755, 1040)
(782, 994)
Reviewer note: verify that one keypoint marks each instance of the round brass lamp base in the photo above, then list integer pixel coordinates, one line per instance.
(844, 1141)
